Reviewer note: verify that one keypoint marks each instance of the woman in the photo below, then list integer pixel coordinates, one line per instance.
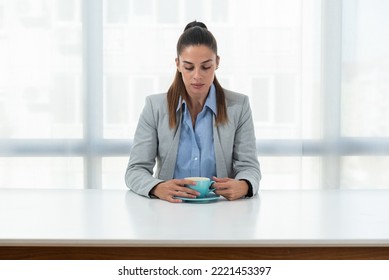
(196, 129)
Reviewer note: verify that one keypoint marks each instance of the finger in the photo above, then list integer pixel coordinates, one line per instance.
(220, 180)
(221, 186)
(173, 199)
(183, 182)
(173, 196)
(230, 194)
(227, 193)
(183, 191)
(222, 192)
(188, 192)
(188, 182)
(227, 196)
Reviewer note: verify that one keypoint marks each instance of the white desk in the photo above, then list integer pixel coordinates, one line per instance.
(122, 219)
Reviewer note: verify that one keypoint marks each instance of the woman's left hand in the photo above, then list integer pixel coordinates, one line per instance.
(231, 189)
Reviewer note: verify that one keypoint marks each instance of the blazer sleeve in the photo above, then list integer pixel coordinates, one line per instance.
(245, 158)
(139, 174)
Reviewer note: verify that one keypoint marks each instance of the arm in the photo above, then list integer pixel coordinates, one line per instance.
(245, 157)
(245, 166)
(139, 173)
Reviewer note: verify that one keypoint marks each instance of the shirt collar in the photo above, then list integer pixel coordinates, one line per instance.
(210, 102)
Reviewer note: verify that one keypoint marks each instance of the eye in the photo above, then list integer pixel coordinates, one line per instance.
(189, 68)
(206, 67)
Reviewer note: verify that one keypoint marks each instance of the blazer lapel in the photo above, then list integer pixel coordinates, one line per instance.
(169, 164)
(221, 167)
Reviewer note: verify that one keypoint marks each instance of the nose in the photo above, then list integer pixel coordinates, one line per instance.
(196, 74)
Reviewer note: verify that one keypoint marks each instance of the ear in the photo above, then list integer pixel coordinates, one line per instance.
(177, 64)
(217, 61)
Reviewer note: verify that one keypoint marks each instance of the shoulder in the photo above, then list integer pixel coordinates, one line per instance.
(155, 109)
(157, 102)
(157, 98)
(238, 106)
(235, 98)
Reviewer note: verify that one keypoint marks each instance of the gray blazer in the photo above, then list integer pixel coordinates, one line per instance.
(154, 141)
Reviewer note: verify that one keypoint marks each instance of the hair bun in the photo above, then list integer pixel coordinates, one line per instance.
(194, 24)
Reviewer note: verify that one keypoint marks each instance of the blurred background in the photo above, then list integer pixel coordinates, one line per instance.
(74, 75)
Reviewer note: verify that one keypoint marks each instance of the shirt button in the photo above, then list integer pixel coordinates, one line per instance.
(195, 158)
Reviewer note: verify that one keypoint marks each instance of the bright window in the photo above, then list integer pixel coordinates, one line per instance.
(74, 75)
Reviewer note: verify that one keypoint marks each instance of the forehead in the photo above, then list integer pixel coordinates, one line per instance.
(197, 53)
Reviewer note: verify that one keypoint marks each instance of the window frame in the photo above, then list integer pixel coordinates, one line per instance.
(93, 147)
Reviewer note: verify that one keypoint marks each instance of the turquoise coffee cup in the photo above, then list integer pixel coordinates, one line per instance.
(203, 185)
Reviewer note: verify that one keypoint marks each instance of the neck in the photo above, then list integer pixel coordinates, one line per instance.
(195, 106)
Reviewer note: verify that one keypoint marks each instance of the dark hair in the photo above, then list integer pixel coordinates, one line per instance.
(195, 33)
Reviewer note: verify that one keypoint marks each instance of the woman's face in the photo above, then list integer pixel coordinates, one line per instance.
(197, 65)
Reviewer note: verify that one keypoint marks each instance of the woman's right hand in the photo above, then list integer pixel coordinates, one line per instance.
(170, 189)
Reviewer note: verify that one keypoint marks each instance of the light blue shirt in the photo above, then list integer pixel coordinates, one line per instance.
(196, 154)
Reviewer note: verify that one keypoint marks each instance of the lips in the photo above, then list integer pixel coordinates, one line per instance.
(197, 86)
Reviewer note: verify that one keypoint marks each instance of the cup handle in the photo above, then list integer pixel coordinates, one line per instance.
(210, 186)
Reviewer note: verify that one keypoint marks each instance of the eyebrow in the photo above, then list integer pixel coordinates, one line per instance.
(209, 60)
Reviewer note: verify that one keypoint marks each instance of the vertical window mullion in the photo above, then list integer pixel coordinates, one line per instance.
(331, 90)
(93, 91)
